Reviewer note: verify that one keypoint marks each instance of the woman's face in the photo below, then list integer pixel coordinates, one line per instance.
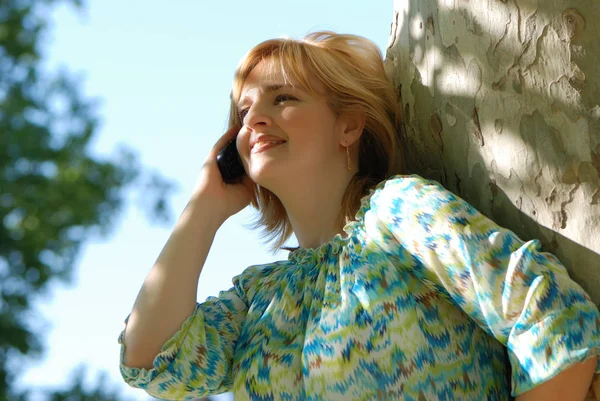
(287, 133)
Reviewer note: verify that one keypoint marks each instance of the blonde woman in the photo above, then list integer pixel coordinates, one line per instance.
(399, 290)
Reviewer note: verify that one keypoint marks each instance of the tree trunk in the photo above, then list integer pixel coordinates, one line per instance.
(501, 103)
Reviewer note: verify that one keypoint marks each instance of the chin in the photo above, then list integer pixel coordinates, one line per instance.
(266, 177)
(262, 175)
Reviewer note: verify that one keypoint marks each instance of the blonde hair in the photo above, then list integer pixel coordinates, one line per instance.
(350, 67)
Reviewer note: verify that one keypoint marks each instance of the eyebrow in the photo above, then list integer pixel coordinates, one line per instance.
(266, 89)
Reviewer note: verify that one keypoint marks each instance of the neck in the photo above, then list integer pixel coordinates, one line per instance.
(313, 206)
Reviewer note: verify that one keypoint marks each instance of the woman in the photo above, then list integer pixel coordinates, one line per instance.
(398, 289)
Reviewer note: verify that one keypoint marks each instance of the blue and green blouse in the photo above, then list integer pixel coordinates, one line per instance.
(424, 299)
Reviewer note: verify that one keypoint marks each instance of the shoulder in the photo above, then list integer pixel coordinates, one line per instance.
(412, 204)
(407, 183)
(409, 191)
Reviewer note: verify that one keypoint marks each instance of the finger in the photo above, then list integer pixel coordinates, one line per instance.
(229, 135)
(247, 181)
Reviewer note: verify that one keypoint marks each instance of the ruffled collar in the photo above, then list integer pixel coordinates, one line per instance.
(333, 247)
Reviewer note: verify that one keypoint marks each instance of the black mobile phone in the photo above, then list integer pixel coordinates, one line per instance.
(230, 164)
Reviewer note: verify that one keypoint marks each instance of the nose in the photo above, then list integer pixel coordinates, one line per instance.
(257, 115)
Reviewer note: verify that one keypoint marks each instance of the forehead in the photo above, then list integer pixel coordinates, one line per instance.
(271, 73)
(264, 76)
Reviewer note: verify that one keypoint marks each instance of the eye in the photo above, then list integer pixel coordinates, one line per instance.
(283, 98)
(278, 99)
(242, 113)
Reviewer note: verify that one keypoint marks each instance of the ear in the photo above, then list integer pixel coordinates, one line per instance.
(353, 124)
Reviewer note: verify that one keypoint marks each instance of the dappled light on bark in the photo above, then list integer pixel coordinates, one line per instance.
(500, 101)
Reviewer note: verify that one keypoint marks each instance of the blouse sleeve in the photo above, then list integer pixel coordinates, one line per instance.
(518, 294)
(197, 360)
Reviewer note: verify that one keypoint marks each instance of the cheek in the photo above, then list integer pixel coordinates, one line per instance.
(242, 141)
(307, 122)
(293, 116)
(316, 144)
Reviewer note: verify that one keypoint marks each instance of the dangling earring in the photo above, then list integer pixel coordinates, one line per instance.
(348, 154)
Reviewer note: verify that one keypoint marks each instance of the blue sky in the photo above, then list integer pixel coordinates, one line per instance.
(163, 72)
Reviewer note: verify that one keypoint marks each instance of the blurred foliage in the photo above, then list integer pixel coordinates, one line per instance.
(54, 193)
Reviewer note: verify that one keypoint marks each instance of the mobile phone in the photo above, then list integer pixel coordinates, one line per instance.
(230, 164)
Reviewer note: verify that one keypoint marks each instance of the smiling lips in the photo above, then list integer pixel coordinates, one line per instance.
(263, 142)
(263, 145)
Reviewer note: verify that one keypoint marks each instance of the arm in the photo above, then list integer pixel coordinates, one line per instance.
(516, 293)
(570, 385)
(168, 296)
(171, 346)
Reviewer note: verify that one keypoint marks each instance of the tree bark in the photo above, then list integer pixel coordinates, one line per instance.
(501, 105)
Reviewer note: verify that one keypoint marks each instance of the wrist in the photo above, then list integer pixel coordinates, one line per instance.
(204, 211)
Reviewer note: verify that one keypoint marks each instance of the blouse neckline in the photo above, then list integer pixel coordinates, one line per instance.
(315, 255)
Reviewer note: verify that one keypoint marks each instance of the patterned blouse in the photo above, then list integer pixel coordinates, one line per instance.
(420, 301)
